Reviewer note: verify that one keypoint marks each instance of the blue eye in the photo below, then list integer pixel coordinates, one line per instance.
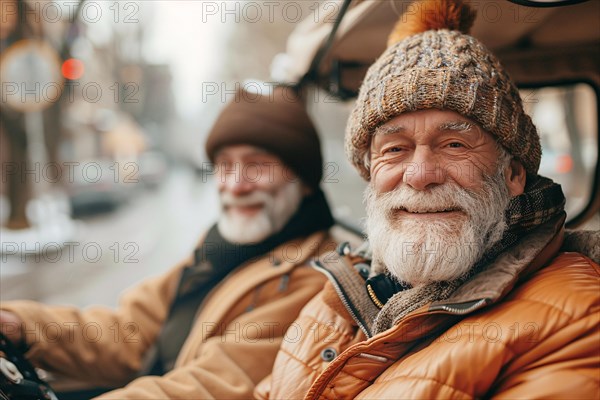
(393, 149)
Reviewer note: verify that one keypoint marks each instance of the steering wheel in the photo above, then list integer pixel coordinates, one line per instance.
(18, 378)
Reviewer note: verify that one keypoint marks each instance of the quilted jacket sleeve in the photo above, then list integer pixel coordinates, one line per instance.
(566, 364)
(100, 346)
(570, 371)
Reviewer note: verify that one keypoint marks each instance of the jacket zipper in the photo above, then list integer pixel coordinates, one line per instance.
(373, 357)
(461, 311)
(349, 307)
(374, 297)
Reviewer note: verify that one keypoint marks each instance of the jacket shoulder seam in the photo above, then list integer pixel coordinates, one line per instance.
(546, 304)
(582, 258)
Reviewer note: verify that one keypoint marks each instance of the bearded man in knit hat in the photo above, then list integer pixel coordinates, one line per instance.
(211, 326)
(464, 290)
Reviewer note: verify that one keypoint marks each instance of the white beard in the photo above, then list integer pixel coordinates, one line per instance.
(440, 250)
(277, 211)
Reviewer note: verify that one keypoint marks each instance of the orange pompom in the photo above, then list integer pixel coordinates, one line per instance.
(425, 15)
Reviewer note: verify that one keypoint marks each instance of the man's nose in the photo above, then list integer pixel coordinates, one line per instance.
(237, 184)
(423, 171)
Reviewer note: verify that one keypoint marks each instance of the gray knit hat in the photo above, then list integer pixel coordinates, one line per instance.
(435, 65)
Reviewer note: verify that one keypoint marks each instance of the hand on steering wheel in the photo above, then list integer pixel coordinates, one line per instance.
(18, 378)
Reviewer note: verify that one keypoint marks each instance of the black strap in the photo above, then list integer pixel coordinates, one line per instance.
(313, 71)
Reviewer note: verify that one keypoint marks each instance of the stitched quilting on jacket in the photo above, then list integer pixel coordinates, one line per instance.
(529, 327)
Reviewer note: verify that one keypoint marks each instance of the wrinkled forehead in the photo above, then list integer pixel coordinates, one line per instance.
(433, 122)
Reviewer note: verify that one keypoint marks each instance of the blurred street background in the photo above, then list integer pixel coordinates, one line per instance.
(104, 176)
(105, 109)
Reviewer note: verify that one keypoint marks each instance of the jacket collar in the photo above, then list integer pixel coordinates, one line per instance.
(515, 264)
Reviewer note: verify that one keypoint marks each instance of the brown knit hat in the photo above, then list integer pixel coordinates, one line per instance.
(431, 63)
(277, 122)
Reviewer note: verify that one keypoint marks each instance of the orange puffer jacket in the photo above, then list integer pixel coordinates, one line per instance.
(529, 329)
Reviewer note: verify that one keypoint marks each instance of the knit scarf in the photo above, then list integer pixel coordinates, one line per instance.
(542, 200)
(213, 261)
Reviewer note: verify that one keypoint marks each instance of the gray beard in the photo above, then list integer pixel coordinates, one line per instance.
(440, 250)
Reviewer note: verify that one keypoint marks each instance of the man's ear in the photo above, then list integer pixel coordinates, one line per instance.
(515, 177)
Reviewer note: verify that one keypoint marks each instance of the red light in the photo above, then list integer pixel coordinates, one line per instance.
(72, 69)
(564, 164)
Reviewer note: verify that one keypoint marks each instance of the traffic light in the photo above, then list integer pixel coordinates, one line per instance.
(72, 69)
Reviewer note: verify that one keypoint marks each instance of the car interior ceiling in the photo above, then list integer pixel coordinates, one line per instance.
(525, 38)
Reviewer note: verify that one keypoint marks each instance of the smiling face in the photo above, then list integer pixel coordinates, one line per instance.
(259, 194)
(439, 188)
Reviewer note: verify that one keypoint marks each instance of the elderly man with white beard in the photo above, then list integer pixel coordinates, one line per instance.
(211, 326)
(447, 217)
(466, 288)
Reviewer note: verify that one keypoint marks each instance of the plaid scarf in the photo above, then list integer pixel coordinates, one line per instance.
(542, 201)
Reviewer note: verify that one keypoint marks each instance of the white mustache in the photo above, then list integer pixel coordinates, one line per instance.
(256, 197)
(447, 197)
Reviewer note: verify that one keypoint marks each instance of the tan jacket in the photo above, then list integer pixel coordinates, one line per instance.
(536, 334)
(231, 347)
